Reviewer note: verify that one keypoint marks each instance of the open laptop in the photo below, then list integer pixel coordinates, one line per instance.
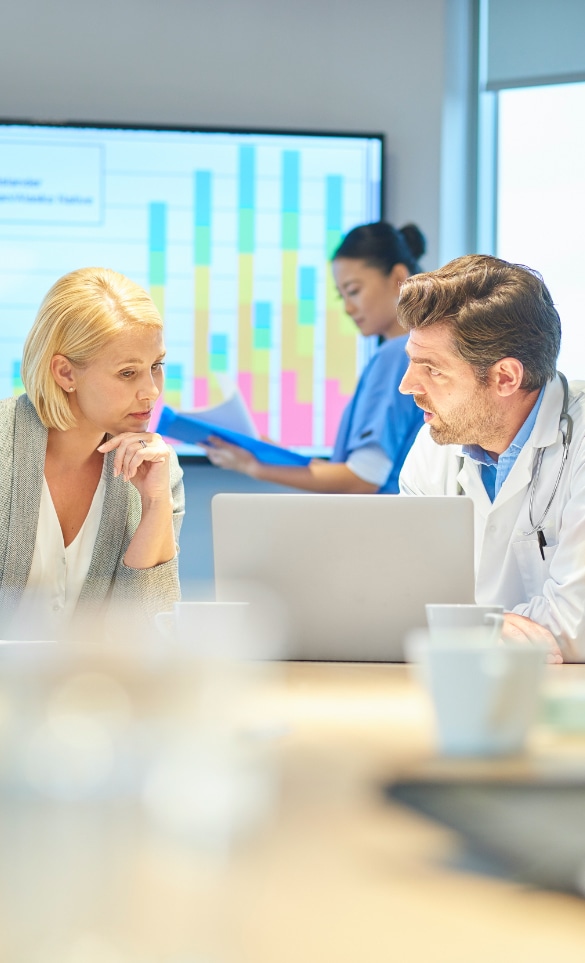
(353, 572)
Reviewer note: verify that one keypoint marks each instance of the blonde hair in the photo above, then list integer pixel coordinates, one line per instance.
(81, 312)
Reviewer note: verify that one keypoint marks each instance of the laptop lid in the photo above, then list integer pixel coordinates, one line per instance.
(353, 572)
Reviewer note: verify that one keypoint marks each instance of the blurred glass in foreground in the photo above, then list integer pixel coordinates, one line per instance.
(128, 771)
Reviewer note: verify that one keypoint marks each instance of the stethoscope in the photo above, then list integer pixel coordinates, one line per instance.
(567, 433)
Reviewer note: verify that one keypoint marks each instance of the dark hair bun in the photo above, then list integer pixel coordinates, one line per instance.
(414, 240)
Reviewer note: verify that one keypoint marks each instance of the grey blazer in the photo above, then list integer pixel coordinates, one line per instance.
(23, 443)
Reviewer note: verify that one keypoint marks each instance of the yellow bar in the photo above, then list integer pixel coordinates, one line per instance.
(245, 350)
(157, 293)
(260, 393)
(202, 288)
(305, 381)
(246, 279)
(261, 362)
(305, 340)
(289, 277)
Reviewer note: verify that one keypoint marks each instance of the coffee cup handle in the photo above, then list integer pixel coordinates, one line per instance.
(496, 619)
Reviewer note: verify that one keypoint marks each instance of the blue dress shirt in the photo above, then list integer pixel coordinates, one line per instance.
(494, 473)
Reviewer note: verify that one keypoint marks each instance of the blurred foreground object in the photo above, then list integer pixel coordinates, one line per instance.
(125, 777)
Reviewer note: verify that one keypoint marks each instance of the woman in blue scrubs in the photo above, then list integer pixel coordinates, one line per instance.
(379, 424)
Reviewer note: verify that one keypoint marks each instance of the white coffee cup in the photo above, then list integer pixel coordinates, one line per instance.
(485, 697)
(208, 629)
(481, 623)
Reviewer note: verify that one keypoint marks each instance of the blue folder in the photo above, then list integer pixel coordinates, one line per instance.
(194, 431)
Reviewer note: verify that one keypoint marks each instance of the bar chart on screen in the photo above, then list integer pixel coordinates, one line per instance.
(230, 232)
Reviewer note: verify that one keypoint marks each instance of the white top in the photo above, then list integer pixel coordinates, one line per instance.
(57, 573)
(371, 464)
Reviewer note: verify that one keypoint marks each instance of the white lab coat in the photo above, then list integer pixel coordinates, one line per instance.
(509, 569)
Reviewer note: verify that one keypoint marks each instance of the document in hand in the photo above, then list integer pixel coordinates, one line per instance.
(193, 429)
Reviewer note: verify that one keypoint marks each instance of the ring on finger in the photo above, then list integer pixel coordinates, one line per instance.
(142, 442)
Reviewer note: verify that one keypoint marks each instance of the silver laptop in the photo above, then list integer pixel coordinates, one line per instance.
(353, 572)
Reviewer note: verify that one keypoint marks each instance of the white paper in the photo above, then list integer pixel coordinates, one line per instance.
(231, 413)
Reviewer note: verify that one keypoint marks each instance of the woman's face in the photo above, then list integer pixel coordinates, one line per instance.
(117, 391)
(369, 296)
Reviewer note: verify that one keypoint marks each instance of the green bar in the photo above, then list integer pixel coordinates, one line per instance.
(332, 242)
(173, 384)
(218, 362)
(261, 338)
(306, 312)
(157, 267)
(290, 231)
(203, 246)
(246, 232)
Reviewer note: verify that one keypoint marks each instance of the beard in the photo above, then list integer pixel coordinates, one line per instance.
(473, 422)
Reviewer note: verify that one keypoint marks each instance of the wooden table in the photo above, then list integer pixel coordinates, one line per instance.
(342, 876)
(334, 873)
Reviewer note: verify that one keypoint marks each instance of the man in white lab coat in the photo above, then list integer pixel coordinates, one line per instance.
(502, 428)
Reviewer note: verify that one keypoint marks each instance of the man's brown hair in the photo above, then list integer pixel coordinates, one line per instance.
(495, 310)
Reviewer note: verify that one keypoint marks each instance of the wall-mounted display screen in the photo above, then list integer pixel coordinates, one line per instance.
(230, 231)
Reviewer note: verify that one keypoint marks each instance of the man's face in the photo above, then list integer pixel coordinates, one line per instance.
(458, 408)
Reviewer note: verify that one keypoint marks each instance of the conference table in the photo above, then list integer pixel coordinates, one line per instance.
(342, 875)
(334, 871)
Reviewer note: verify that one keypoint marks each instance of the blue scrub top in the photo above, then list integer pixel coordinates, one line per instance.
(378, 414)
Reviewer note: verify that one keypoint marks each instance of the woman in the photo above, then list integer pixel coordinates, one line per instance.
(91, 502)
(379, 424)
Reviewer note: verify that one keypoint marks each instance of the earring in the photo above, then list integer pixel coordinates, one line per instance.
(71, 389)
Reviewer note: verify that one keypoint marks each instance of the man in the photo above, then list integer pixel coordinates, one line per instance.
(483, 345)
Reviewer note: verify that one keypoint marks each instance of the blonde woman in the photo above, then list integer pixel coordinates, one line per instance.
(91, 502)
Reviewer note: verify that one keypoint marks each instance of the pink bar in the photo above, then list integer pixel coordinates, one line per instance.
(245, 386)
(335, 403)
(296, 420)
(261, 422)
(201, 393)
(155, 417)
(260, 417)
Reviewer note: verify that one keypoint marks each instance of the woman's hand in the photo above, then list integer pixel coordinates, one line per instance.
(518, 628)
(223, 455)
(143, 459)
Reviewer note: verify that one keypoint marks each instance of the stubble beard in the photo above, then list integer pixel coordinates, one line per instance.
(476, 422)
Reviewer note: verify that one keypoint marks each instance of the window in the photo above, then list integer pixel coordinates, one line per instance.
(540, 199)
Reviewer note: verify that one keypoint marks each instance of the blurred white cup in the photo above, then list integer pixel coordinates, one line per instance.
(442, 618)
(209, 629)
(485, 697)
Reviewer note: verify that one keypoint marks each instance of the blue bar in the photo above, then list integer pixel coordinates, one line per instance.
(334, 195)
(262, 314)
(174, 370)
(203, 198)
(247, 172)
(157, 225)
(16, 370)
(307, 283)
(290, 181)
(219, 344)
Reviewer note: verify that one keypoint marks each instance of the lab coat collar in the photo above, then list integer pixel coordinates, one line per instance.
(546, 429)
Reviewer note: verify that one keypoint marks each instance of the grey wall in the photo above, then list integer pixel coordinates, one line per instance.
(379, 65)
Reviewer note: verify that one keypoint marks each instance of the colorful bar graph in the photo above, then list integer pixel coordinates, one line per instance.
(284, 304)
(341, 343)
(298, 316)
(205, 389)
(17, 385)
(157, 248)
(253, 357)
(218, 360)
(174, 385)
